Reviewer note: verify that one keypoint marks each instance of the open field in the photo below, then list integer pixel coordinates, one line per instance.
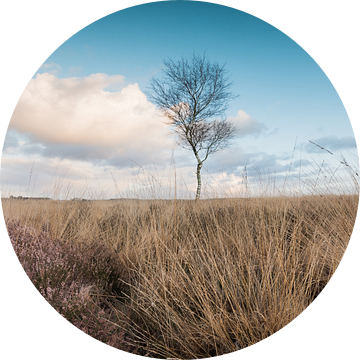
(181, 279)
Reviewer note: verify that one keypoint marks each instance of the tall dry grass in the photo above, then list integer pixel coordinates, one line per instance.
(178, 278)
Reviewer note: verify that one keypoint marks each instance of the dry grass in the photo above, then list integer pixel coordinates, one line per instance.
(182, 279)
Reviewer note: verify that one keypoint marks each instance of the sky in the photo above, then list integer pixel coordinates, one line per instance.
(84, 119)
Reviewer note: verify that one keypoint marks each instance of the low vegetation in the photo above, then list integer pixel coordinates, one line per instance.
(181, 279)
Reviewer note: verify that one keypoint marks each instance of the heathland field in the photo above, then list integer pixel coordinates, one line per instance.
(181, 278)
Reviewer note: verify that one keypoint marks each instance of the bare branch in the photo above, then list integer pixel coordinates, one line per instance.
(193, 96)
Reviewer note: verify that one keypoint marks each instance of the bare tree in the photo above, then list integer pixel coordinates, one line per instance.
(193, 96)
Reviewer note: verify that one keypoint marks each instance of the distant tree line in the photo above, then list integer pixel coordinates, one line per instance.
(28, 198)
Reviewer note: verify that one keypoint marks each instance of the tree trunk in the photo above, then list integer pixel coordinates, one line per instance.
(199, 166)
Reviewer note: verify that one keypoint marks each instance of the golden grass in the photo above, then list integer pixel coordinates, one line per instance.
(185, 279)
(204, 278)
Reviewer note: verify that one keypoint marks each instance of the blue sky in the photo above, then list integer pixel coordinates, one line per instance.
(85, 109)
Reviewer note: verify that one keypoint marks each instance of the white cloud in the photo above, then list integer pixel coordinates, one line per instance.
(80, 113)
(245, 124)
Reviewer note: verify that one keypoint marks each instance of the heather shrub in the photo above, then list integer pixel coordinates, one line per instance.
(74, 282)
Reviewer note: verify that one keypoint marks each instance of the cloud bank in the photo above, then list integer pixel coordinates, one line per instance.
(90, 118)
(99, 128)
